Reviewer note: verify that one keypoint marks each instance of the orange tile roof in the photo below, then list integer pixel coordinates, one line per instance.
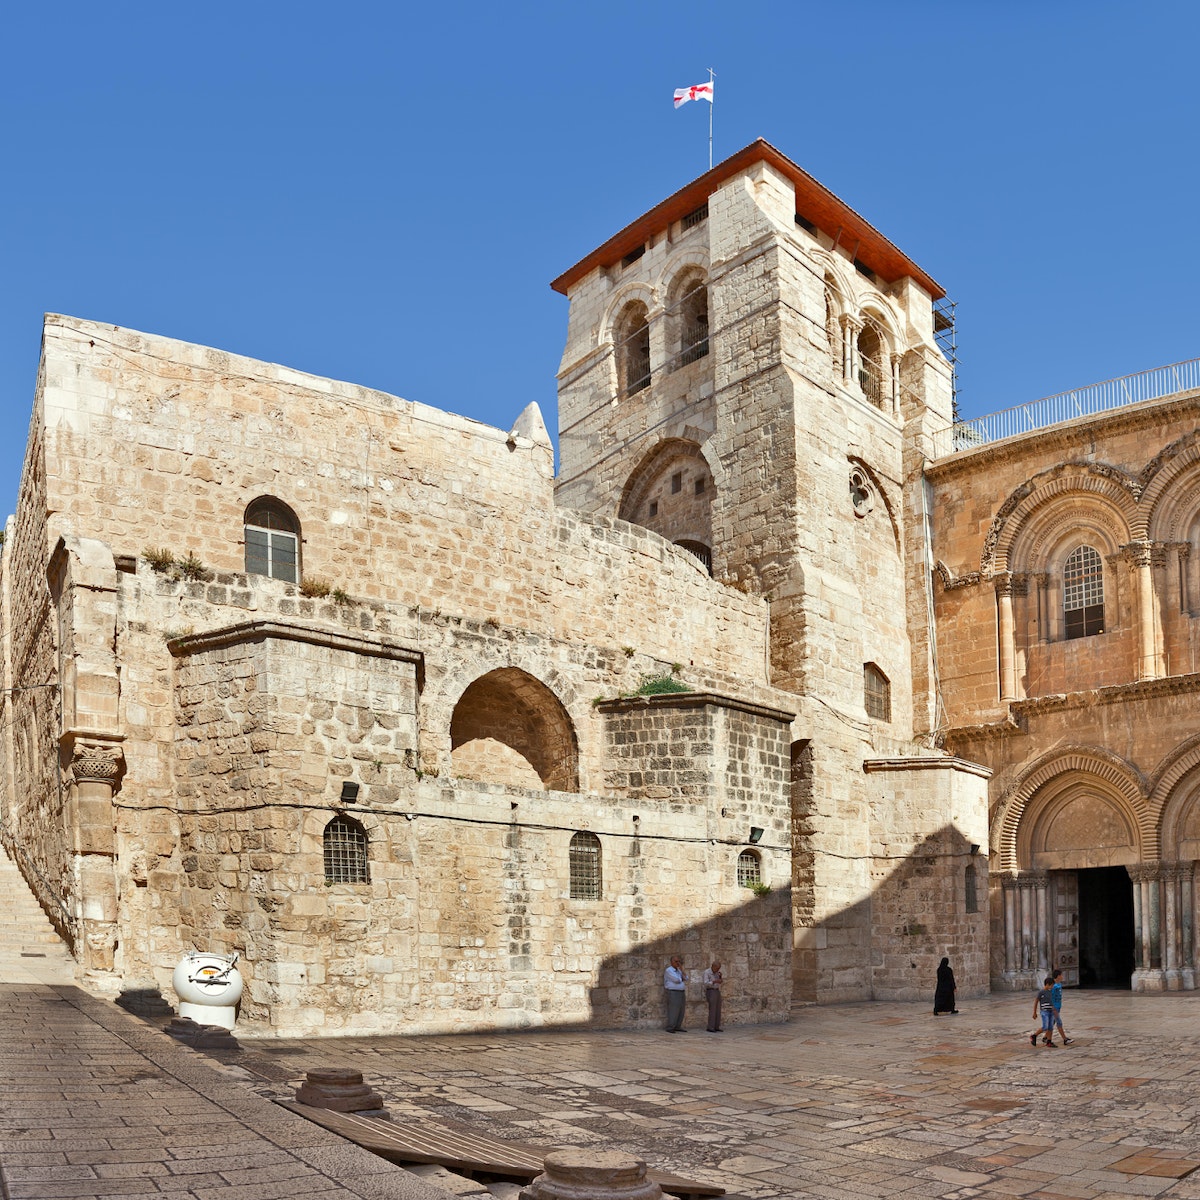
(814, 202)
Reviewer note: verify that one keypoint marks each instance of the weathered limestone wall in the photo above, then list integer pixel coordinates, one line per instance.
(783, 423)
(922, 905)
(242, 706)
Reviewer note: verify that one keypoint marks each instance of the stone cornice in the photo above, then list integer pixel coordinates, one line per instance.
(1021, 710)
(695, 700)
(1065, 435)
(260, 631)
(926, 762)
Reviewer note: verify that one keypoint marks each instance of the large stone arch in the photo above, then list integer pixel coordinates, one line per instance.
(508, 727)
(1064, 776)
(1173, 801)
(682, 515)
(1160, 501)
(1100, 491)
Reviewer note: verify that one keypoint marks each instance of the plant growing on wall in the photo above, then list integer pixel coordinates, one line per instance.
(660, 684)
(160, 560)
(314, 587)
(192, 568)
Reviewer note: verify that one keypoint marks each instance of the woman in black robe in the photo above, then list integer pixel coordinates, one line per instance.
(943, 997)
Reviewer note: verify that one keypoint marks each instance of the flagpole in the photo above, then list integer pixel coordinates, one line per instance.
(712, 99)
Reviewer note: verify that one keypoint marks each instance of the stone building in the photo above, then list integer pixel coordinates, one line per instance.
(437, 739)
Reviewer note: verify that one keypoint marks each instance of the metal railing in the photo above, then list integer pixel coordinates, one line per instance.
(1082, 402)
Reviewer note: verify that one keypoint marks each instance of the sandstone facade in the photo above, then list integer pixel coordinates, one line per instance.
(368, 694)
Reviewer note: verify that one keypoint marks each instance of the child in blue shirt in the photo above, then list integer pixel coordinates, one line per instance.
(1056, 1001)
(1043, 1005)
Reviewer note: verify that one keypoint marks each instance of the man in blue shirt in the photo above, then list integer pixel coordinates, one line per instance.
(674, 983)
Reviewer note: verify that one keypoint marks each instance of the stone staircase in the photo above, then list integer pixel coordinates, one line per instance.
(25, 930)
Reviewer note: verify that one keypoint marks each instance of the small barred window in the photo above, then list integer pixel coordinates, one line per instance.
(877, 693)
(345, 852)
(749, 868)
(586, 881)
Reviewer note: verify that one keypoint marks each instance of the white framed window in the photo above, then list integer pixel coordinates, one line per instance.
(272, 540)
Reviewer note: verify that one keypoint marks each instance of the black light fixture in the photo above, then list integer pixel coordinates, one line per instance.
(974, 849)
(755, 834)
(349, 791)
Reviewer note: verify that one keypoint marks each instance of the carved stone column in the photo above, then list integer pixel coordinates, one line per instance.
(1026, 931)
(1142, 558)
(1148, 975)
(93, 766)
(1179, 961)
(1007, 586)
(850, 331)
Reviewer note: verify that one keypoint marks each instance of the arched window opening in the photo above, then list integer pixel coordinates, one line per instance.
(870, 364)
(877, 693)
(272, 540)
(698, 550)
(1083, 593)
(511, 729)
(586, 880)
(833, 331)
(672, 492)
(345, 852)
(633, 350)
(749, 868)
(693, 324)
(970, 889)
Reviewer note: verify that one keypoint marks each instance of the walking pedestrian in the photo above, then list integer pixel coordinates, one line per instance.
(1056, 1000)
(1043, 1006)
(712, 993)
(943, 995)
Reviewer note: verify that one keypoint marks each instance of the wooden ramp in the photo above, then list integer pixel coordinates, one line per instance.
(461, 1148)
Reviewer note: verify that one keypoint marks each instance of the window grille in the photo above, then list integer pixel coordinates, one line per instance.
(345, 852)
(870, 365)
(1083, 592)
(693, 325)
(694, 218)
(970, 889)
(584, 854)
(677, 482)
(633, 256)
(698, 550)
(749, 868)
(877, 693)
(272, 541)
(633, 353)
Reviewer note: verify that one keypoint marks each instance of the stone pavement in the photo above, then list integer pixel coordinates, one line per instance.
(857, 1100)
(95, 1102)
(860, 1100)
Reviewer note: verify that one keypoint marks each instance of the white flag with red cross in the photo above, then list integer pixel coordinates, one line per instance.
(698, 91)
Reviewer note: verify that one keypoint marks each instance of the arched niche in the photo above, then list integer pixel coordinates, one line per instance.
(1078, 822)
(672, 491)
(509, 728)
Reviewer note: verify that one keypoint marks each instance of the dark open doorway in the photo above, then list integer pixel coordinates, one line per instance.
(1105, 928)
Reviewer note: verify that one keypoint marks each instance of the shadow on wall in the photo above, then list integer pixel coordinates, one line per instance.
(753, 942)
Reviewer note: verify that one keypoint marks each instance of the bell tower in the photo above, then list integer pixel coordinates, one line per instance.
(751, 371)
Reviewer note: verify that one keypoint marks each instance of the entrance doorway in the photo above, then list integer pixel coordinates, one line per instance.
(1106, 957)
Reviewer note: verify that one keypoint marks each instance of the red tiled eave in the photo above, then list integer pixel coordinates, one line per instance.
(814, 202)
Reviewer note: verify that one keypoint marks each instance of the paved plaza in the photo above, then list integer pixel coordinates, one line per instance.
(858, 1100)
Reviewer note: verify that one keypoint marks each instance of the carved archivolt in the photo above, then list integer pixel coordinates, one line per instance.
(1169, 507)
(1116, 779)
(1102, 491)
(1160, 474)
(1175, 790)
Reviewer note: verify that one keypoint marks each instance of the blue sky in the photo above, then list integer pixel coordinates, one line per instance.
(382, 193)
